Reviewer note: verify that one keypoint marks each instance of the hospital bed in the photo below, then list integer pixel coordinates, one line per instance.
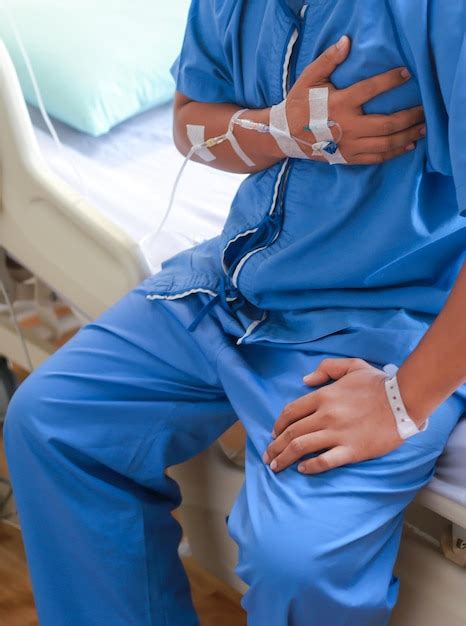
(73, 220)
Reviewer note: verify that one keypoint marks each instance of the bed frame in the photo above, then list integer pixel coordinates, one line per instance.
(49, 228)
(64, 246)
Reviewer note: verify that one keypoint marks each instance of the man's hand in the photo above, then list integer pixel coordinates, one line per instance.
(367, 139)
(345, 422)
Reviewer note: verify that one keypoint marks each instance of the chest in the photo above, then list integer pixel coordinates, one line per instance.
(258, 44)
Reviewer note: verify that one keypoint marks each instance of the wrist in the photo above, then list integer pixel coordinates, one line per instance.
(417, 394)
(264, 141)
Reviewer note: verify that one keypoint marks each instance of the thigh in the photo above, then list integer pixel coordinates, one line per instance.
(261, 379)
(128, 384)
(341, 507)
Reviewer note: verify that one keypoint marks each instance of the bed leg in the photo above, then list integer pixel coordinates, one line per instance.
(454, 545)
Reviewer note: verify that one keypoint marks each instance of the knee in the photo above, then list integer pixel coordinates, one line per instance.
(303, 561)
(304, 566)
(282, 557)
(286, 562)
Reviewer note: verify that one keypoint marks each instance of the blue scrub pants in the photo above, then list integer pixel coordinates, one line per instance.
(90, 434)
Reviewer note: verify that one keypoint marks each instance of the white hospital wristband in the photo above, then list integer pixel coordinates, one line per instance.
(405, 425)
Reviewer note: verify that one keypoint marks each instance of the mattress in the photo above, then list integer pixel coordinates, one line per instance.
(128, 175)
(450, 477)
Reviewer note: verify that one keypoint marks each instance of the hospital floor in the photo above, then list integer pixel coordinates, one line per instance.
(215, 602)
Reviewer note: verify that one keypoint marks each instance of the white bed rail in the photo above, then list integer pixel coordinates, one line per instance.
(47, 226)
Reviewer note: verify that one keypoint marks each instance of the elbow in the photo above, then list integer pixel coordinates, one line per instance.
(181, 144)
(180, 136)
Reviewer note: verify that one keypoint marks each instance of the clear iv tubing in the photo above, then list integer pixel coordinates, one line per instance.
(18, 330)
(38, 95)
(54, 135)
(244, 123)
(215, 141)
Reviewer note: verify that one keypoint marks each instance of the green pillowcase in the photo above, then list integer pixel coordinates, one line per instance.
(97, 62)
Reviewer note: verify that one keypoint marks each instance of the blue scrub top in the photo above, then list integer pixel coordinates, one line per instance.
(310, 249)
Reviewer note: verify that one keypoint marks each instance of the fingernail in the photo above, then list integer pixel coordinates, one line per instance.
(273, 465)
(405, 73)
(412, 146)
(301, 468)
(342, 42)
(266, 458)
(274, 434)
(423, 131)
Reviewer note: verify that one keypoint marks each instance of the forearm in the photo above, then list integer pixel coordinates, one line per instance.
(437, 367)
(261, 148)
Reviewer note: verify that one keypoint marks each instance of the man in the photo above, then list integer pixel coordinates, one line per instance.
(335, 270)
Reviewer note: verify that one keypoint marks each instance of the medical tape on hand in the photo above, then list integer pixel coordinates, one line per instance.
(280, 131)
(319, 125)
(196, 135)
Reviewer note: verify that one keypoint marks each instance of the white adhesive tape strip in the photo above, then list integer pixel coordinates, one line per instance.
(280, 131)
(196, 135)
(318, 112)
(234, 142)
(318, 124)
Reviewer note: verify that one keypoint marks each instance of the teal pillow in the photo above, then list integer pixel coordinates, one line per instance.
(97, 62)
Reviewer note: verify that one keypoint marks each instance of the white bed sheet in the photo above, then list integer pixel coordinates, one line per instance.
(450, 477)
(128, 175)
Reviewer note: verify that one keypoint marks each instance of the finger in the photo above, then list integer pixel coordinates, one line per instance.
(333, 458)
(402, 139)
(378, 159)
(317, 378)
(333, 369)
(381, 125)
(304, 426)
(366, 90)
(306, 444)
(324, 66)
(294, 411)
